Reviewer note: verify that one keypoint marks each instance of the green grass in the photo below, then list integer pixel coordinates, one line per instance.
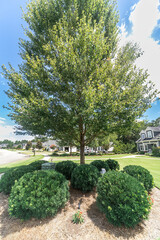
(148, 162)
(4, 168)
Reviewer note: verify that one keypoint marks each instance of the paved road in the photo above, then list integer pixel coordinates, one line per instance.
(9, 156)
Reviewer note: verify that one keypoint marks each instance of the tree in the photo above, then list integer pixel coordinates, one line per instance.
(39, 145)
(74, 80)
(28, 145)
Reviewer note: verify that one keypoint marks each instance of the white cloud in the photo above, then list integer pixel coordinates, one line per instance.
(144, 17)
(7, 132)
(3, 119)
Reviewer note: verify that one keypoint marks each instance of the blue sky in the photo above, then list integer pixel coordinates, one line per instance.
(139, 22)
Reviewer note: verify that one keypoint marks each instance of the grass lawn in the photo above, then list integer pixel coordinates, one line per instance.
(148, 162)
(4, 168)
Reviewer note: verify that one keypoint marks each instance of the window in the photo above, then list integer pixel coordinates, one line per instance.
(146, 147)
(149, 134)
(143, 135)
(141, 148)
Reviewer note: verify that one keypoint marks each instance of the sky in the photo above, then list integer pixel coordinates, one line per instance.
(139, 22)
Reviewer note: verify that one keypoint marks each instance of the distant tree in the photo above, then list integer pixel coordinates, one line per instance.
(74, 80)
(155, 123)
(39, 145)
(19, 146)
(29, 145)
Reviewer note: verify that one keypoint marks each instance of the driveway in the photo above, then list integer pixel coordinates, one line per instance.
(10, 156)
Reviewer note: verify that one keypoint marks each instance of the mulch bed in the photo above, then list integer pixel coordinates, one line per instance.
(95, 226)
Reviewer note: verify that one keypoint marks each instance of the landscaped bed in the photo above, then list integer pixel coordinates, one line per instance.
(95, 224)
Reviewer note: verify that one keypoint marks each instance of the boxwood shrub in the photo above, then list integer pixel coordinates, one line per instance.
(66, 168)
(8, 179)
(113, 164)
(141, 174)
(37, 164)
(122, 198)
(85, 177)
(38, 194)
(99, 164)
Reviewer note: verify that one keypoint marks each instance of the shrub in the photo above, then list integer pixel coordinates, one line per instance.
(64, 154)
(156, 151)
(8, 179)
(99, 164)
(66, 168)
(141, 174)
(122, 198)
(85, 177)
(113, 164)
(55, 154)
(37, 164)
(39, 194)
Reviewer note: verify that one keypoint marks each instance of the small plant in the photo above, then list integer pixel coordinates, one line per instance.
(77, 218)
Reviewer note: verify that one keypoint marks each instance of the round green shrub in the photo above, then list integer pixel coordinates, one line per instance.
(141, 174)
(99, 164)
(66, 168)
(113, 164)
(85, 177)
(8, 179)
(38, 194)
(122, 198)
(37, 164)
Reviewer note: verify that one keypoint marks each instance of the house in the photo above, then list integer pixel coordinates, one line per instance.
(149, 138)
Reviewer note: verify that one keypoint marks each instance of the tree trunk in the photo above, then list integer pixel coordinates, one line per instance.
(82, 145)
(70, 150)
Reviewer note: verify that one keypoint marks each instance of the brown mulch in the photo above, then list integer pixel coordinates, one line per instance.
(95, 226)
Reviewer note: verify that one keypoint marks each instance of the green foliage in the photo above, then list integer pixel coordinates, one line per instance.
(121, 147)
(72, 67)
(28, 145)
(85, 177)
(122, 198)
(39, 145)
(9, 178)
(113, 164)
(37, 164)
(156, 151)
(39, 194)
(99, 164)
(141, 174)
(66, 168)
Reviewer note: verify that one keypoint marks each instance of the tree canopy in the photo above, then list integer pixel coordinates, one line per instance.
(74, 81)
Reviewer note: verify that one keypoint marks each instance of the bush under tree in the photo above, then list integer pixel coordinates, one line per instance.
(141, 174)
(39, 194)
(123, 199)
(85, 177)
(8, 179)
(99, 164)
(113, 164)
(66, 168)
